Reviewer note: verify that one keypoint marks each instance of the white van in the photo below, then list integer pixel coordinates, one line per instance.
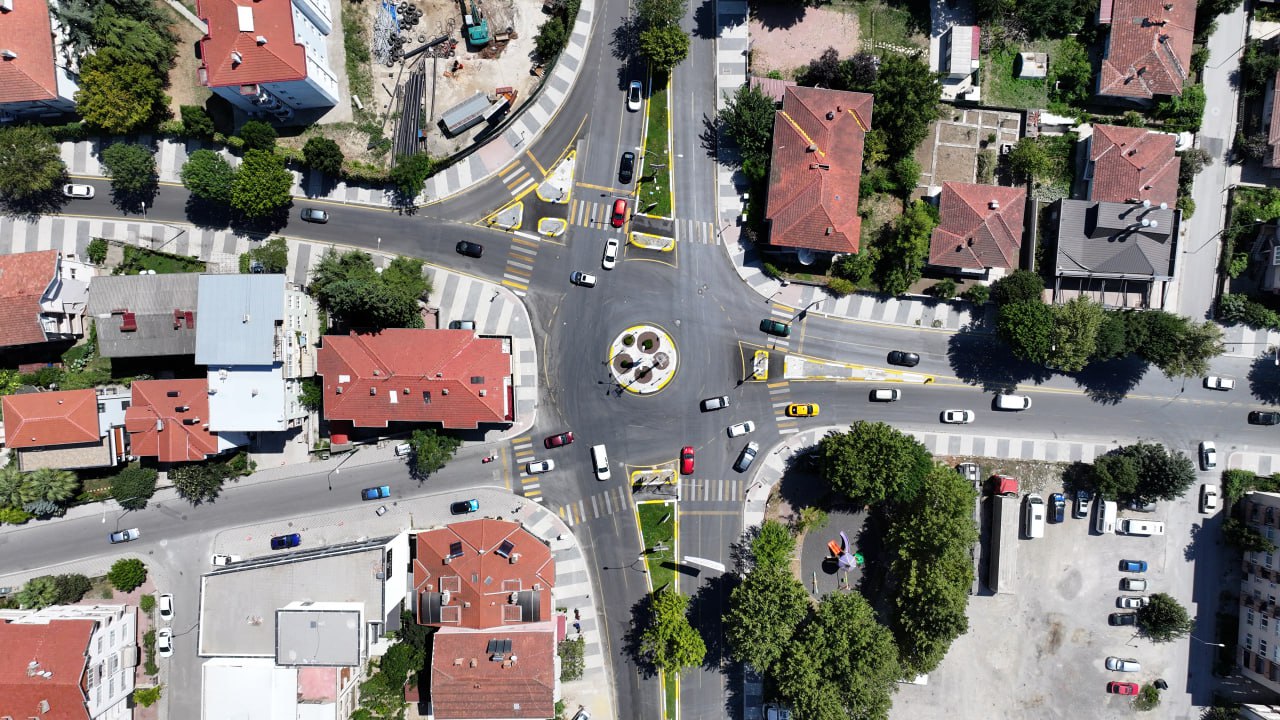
(403, 449)
(1134, 526)
(600, 461)
(1035, 516)
(1106, 517)
(1013, 402)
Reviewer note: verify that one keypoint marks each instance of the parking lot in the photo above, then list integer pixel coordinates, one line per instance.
(1039, 652)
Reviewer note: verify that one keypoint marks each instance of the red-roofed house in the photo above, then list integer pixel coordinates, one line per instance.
(1149, 50)
(451, 377)
(35, 80)
(493, 675)
(169, 420)
(1128, 164)
(68, 662)
(40, 300)
(481, 574)
(268, 57)
(816, 168)
(61, 429)
(980, 228)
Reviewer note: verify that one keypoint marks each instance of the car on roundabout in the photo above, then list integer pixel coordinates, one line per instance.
(803, 410)
(741, 428)
(540, 466)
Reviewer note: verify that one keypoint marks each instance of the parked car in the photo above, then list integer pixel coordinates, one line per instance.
(1133, 566)
(376, 493)
(957, 417)
(1118, 664)
(741, 428)
(1129, 602)
(558, 440)
(770, 326)
(903, 358)
(1011, 401)
(164, 604)
(619, 216)
(583, 279)
(1140, 506)
(284, 542)
(715, 403)
(610, 254)
(1081, 509)
(1122, 619)
(1213, 382)
(470, 249)
(224, 560)
(803, 410)
(78, 191)
(315, 215)
(633, 95)
(969, 471)
(746, 457)
(1133, 585)
(122, 536)
(1116, 687)
(1264, 417)
(1057, 508)
(1034, 517)
(164, 642)
(886, 395)
(686, 460)
(462, 325)
(1208, 498)
(1208, 455)
(382, 510)
(462, 507)
(540, 466)
(626, 167)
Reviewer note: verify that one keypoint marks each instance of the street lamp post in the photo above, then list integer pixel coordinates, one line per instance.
(338, 468)
(1206, 642)
(118, 502)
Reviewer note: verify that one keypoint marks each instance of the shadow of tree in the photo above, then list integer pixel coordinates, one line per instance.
(980, 358)
(641, 618)
(1108, 382)
(133, 201)
(710, 136)
(704, 20)
(1264, 379)
(1077, 476)
(30, 209)
(706, 607)
(780, 15)
(273, 223)
(208, 215)
(625, 44)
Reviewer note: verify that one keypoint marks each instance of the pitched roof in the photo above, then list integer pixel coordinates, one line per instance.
(234, 27)
(1133, 164)
(1115, 240)
(145, 315)
(169, 420)
(42, 419)
(451, 377)
(464, 576)
(24, 277)
(771, 87)
(468, 680)
(28, 33)
(61, 647)
(813, 195)
(974, 234)
(1149, 50)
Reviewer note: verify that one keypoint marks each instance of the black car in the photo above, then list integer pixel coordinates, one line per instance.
(1264, 417)
(1081, 508)
(905, 359)
(775, 327)
(315, 215)
(1117, 619)
(626, 166)
(284, 542)
(1140, 506)
(463, 507)
(470, 249)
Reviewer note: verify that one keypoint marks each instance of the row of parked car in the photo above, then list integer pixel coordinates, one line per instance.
(1127, 619)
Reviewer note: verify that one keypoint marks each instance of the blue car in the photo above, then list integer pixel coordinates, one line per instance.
(376, 493)
(284, 542)
(1133, 566)
(1058, 505)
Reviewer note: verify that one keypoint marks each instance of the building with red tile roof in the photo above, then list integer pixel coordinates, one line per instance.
(268, 57)
(482, 675)
(980, 227)
(816, 169)
(67, 662)
(35, 78)
(169, 420)
(1148, 53)
(58, 429)
(37, 304)
(1128, 164)
(482, 574)
(451, 377)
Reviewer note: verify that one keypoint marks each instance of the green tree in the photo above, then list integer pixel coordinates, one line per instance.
(1017, 286)
(50, 485)
(907, 95)
(38, 592)
(380, 698)
(431, 450)
(1163, 618)
(208, 176)
(400, 662)
(1201, 342)
(905, 175)
(127, 574)
(1075, 334)
(261, 186)
(551, 38)
(747, 118)
(258, 135)
(1027, 327)
(196, 122)
(1235, 483)
(132, 169)
(97, 251)
(764, 611)
(659, 13)
(572, 652)
(404, 276)
(1258, 67)
(133, 486)
(31, 164)
(335, 268)
(272, 256)
(977, 294)
(1110, 342)
(312, 396)
(902, 258)
(1030, 160)
(669, 641)
(147, 696)
(408, 176)
(773, 546)
(1148, 698)
(323, 155)
(134, 39)
(374, 305)
(348, 286)
(664, 47)
(1239, 535)
(1115, 476)
(198, 483)
(1071, 72)
(11, 482)
(116, 95)
(1182, 113)
(873, 462)
(840, 664)
(1162, 475)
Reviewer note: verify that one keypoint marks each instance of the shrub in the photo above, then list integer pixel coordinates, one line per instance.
(1239, 263)
(1187, 206)
(146, 697)
(196, 123)
(944, 289)
(147, 603)
(13, 516)
(97, 251)
(771, 270)
(571, 662)
(840, 287)
(127, 574)
(258, 135)
(977, 294)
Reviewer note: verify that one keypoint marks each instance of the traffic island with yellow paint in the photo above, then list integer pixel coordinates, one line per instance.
(552, 227)
(657, 243)
(508, 218)
(659, 534)
(557, 186)
(798, 367)
(643, 359)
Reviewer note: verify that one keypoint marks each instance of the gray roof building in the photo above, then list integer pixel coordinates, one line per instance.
(238, 318)
(1120, 253)
(144, 315)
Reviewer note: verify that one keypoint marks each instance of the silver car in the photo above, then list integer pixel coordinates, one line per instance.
(741, 428)
(1123, 664)
(715, 403)
(747, 457)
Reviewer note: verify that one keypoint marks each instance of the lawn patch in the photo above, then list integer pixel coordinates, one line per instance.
(137, 259)
(654, 196)
(1002, 89)
(657, 527)
(882, 26)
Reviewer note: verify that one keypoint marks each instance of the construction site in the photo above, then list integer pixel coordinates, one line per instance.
(447, 72)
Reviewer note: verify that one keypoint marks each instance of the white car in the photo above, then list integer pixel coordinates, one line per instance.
(78, 191)
(957, 417)
(1214, 382)
(1013, 402)
(583, 279)
(1208, 498)
(886, 395)
(165, 605)
(741, 428)
(1208, 455)
(715, 403)
(1123, 664)
(633, 95)
(224, 560)
(1131, 602)
(164, 642)
(540, 466)
(611, 247)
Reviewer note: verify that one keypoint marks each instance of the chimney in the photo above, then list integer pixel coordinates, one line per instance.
(995, 204)
(812, 148)
(8, 54)
(831, 115)
(262, 40)
(829, 230)
(236, 58)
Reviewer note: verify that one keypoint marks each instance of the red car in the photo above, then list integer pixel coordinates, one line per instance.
(686, 460)
(1122, 688)
(563, 438)
(619, 212)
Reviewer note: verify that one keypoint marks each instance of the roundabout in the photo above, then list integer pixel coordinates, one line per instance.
(643, 359)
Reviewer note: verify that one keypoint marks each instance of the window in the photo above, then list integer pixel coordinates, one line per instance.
(1262, 622)
(1270, 559)
(1248, 618)
(1262, 647)
(1248, 641)
(1271, 533)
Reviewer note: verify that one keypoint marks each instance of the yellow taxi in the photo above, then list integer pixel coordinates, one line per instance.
(802, 410)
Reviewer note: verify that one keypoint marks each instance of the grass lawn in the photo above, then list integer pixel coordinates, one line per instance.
(880, 23)
(655, 530)
(669, 688)
(1001, 88)
(137, 259)
(655, 182)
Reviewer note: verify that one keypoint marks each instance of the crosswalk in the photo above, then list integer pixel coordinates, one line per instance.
(619, 499)
(779, 399)
(525, 452)
(517, 178)
(696, 231)
(590, 213)
(519, 268)
(782, 314)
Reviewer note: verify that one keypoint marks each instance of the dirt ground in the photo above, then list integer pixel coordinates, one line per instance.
(785, 37)
(950, 150)
(184, 85)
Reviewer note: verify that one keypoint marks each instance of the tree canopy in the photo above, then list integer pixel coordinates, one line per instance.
(45, 590)
(1163, 619)
(664, 47)
(1075, 334)
(348, 286)
(258, 135)
(262, 185)
(747, 118)
(133, 486)
(1115, 476)
(408, 176)
(872, 462)
(126, 574)
(196, 122)
(907, 96)
(31, 164)
(764, 611)
(431, 450)
(1143, 471)
(323, 155)
(1027, 328)
(773, 546)
(117, 95)
(902, 256)
(208, 176)
(1017, 286)
(132, 168)
(669, 641)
